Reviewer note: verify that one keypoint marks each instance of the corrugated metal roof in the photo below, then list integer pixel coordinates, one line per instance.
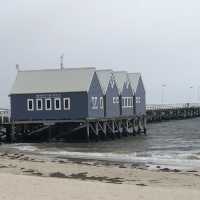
(104, 77)
(53, 80)
(121, 78)
(134, 80)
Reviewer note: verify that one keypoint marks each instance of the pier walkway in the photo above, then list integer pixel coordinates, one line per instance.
(163, 112)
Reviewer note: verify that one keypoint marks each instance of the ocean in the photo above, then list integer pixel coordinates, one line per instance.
(173, 144)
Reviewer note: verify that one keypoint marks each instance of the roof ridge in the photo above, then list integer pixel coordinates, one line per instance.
(58, 69)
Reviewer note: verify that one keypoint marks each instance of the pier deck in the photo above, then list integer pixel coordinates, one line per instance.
(92, 128)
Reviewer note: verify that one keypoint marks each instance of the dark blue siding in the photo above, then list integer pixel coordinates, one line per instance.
(140, 92)
(127, 92)
(95, 91)
(79, 107)
(112, 109)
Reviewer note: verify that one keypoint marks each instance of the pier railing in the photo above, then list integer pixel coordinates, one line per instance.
(151, 107)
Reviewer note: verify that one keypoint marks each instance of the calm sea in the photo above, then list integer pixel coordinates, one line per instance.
(174, 144)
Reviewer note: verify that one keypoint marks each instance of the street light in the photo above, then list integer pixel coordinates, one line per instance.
(192, 88)
(163, 93)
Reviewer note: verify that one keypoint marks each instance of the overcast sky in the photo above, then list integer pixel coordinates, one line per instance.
(160, 39)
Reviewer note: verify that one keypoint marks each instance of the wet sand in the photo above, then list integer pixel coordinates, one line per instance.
(30, 177)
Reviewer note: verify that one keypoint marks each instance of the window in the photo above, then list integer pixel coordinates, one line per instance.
(30, 105)
(127, 102)
(57, 104)
(94, 103)
(117, 99)
(39, 104)
(67, 103)
(138, 100)
(48, 105)
(131, 102)
(101, 103)
(123, 102)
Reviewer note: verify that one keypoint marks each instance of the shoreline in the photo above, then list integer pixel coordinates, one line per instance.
(114, 179)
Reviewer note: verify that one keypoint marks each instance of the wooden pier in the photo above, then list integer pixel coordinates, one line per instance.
(75, 130)
(93, 129)
(158, 113)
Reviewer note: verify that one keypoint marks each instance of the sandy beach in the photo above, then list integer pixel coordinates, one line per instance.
(36, 177)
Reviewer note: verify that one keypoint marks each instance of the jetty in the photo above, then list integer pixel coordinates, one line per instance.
(164, 112)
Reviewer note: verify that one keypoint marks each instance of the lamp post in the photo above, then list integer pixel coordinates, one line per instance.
(163, 86)
(198, 94)
(192, 88)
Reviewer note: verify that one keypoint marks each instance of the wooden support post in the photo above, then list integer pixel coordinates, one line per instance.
(133, 126)
(120, 128)
(113, 129)
(88, 131)
(145, 125)
(97, 130)
(49, 133)
(13, 133)
(139, 125)
(105, 128)
(127, 127)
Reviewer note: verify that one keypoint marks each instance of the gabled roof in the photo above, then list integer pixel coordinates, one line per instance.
(121, 78)
(134, 80)
(53, 80)
(104, 77)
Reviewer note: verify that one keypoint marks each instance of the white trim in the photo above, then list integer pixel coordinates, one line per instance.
(101, 103)
(138, 100)
(117, 100)
(94, 103)
(28, 108)
(114, 100)
(69, 103)
(49, 99)
(37, 100)
(55, 100)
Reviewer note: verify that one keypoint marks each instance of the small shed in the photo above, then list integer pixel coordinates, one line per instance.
(139, 91)
(56, 94)
(125, 93)
(110, 91)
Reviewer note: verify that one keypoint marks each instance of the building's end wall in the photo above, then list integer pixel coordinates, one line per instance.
(95, 91)
(140, 92)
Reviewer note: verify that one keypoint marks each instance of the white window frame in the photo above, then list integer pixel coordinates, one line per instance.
(28, 108)
(114, 100)
(138, 100)
(94, 103)
(131, 102)
(46, 100)
(37, 100)
(69, 103)
(101, 103)
(123, 102)
(117, 100)
(57, 99)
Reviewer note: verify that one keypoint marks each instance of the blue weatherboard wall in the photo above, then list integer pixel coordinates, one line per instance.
(111, 109)
(79, 107)
(127, 92)
(140, 92)
(95, 91)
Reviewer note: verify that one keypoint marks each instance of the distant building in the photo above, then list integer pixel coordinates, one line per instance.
(139, 93)
(125, 93)
(110, 91)
(56, 95)
(4, 115)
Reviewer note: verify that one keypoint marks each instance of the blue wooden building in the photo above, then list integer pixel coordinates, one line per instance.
(125, 93)
(110, 91)
(139, 91)
(56, 94)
